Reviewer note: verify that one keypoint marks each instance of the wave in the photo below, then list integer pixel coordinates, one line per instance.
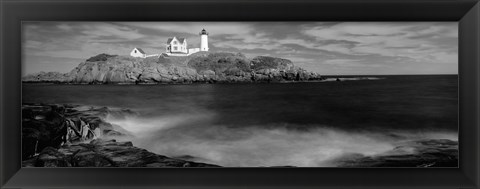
(351, 78)
(197, 137)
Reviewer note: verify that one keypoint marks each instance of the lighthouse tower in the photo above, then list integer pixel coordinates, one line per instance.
(204, 40)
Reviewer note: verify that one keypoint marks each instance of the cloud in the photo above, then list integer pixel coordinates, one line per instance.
(214, 28)
(343, 62)
(111, 30)
(65, 27)
(78, 39)
(424, 42)
(314, 45)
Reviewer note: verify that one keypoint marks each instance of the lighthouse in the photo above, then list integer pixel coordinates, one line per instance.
(204, 40)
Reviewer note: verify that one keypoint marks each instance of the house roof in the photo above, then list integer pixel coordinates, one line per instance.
(140, 50)
(181, 40)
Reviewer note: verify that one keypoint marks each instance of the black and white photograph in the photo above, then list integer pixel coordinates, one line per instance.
(240, 94)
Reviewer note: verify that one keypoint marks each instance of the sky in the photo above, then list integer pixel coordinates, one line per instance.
(328, 48)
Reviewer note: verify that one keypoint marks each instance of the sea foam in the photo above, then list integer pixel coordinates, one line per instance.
(197, 137)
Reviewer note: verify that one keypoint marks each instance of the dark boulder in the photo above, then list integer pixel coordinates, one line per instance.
(105, 153)
(48, 131)
(51, 157)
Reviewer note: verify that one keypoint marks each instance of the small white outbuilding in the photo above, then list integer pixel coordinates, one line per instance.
(138, 52)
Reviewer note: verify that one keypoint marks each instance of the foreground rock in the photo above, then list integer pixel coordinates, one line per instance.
(422, 153)
(202, 67)
(102, 153)
(54, 125)
(76, 136)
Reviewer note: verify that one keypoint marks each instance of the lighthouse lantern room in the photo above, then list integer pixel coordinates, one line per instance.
(204, 40)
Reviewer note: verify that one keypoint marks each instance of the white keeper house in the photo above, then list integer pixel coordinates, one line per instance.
(177, 46)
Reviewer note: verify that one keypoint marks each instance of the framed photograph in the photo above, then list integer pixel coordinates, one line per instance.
(230, 94)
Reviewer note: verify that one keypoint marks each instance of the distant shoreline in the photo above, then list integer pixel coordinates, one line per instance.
(327, 79)
(385, 75)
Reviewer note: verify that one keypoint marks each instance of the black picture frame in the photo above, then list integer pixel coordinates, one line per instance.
(466, 12)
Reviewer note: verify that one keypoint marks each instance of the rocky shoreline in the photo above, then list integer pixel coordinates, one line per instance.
(77, 136)
(416, 153)
(202, 67)
(56, 135)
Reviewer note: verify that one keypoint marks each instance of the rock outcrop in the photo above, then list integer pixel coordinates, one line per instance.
(200, 67)
(105, 153)
(78, 136)
(418, 153)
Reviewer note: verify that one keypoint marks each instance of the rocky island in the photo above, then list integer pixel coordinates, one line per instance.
(201, 67)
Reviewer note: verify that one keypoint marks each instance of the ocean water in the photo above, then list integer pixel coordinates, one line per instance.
(296, 124)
